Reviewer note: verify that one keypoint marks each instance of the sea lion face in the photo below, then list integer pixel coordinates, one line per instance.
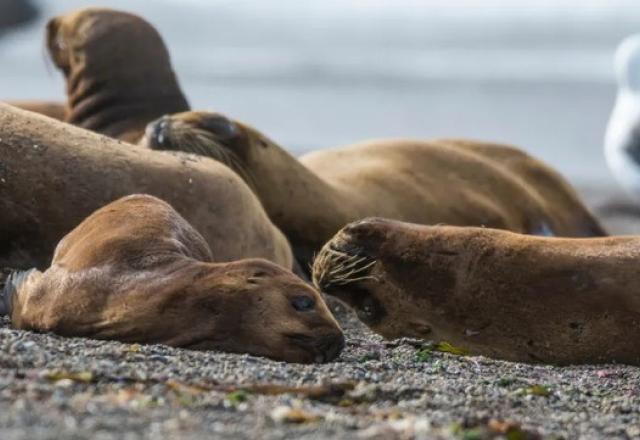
(213, 135)
(265, 310)
(363, 265)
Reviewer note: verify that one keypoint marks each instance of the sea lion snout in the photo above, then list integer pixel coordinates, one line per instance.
(199, 132)
(156, 134)
(324, 348)
(351, 254)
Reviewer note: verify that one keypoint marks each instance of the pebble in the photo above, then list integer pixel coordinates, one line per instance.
(395, 396)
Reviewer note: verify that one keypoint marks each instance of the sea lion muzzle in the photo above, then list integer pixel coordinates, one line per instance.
(157, 132)
(324, 348)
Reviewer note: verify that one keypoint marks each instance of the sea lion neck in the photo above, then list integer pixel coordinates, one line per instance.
(295, 197)
(120, 106)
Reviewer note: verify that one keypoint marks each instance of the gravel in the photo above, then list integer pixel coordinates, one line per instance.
(53, 387)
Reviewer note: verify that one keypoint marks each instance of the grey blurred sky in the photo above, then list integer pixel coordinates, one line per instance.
(313, 74)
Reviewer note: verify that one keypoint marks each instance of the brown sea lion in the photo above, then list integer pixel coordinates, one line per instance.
(136, 271)
(117, 69)
(53, 175)
(492, 292)
(441, 181)
(55, 110)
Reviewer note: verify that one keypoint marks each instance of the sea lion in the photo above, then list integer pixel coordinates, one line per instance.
(117, 69)
(455, 182)
(136, 271)
(494, 293)
(55, 110)
(53, 175)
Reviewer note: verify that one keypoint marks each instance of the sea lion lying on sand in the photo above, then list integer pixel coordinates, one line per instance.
(441, 181)
(136, 271)
(53, 175)
(494, 293)
(117, 69)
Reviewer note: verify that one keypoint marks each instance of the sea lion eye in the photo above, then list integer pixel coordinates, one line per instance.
(303, 303)
(222, 127)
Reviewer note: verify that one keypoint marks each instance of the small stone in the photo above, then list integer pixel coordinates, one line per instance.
(286, 414)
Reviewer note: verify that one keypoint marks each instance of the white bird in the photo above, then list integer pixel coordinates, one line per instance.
(622, 140)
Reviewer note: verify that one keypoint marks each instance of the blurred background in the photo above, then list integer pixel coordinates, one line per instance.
(313, 74)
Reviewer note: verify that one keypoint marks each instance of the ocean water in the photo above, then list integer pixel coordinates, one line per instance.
(314, 74)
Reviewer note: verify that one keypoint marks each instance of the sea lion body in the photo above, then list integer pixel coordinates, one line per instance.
(455, 182)
(495, 293)
(117, 70)
(53, 175)
(136, 271)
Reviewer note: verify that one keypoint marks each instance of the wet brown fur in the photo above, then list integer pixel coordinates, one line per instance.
(491, 292)
(455, 182)
(136, 271)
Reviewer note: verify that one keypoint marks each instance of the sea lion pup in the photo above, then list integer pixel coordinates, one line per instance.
(136, 271)
(117, 69)
(51, 109)
(53, 175)
(495, 293)
(442, 181)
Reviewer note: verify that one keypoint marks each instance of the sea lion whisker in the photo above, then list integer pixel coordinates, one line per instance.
(336, 268)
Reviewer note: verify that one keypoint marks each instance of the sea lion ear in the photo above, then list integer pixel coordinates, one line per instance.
(222, 127)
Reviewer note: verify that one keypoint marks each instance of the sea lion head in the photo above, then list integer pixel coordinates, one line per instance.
(87, 38)
(230, 142)
(112, 59)
(263, 309)
(368, 265)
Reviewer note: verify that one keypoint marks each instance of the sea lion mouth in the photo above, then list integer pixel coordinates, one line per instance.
(323, 349)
